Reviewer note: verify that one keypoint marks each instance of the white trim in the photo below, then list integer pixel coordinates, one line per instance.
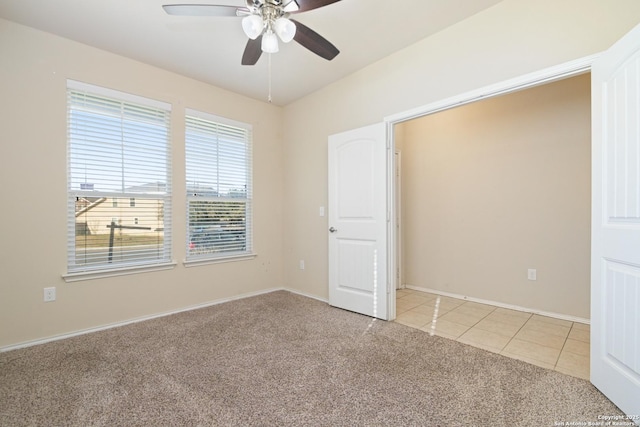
(217, 119)
(399, 284)
(502, 305)
(547, 75)
(101, 274)
(218, 260)
(31, 343)
(392, 235)
(120, 96)
(304, 294)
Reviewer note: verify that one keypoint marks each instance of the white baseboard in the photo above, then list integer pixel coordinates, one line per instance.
(143, 318)
(502, 305)
(304, 294)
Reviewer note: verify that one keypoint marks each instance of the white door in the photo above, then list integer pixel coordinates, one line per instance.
(615, 264)
(358, 210)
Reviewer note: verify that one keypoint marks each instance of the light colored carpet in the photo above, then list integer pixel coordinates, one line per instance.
(281, 359)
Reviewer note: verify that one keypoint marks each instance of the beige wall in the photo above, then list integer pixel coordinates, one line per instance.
(494, 188)
(511, 39)
(34, 67)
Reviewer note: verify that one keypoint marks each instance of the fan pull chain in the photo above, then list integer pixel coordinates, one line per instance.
(269, 98)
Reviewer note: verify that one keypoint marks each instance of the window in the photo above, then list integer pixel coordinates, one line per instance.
(118, 151)
(218, 178)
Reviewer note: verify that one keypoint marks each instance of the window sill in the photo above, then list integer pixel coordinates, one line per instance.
(89, 275)
(218, 260)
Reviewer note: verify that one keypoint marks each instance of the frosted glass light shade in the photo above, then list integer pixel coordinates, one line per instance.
(252, 26)
(285, 29)
(269, 42)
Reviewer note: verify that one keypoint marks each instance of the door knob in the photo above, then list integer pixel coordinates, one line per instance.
(333, 230)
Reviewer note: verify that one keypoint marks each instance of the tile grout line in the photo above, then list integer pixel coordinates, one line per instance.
(555, 366)
(472, 326)
(516, 333)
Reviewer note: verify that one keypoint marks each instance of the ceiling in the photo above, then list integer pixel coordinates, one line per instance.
(209, 49)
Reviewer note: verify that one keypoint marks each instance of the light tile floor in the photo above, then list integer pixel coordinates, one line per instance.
(555, 344)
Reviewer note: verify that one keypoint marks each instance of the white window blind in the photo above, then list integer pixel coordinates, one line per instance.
(219, 193)
(119, 166)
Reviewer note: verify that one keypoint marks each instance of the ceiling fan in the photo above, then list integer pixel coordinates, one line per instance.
(264, 21)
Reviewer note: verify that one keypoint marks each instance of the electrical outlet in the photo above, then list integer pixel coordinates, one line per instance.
(49, 294)
(532, 274)
(301, 264)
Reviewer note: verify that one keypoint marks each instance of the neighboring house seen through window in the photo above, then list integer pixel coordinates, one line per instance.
(119, 175)
(219, 193)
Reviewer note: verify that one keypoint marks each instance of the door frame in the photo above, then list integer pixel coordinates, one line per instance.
(544, 76)
(397, 155)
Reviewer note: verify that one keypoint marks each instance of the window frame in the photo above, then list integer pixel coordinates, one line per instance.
(77, 272)
(231, 256)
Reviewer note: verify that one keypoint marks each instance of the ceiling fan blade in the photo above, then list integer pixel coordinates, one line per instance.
(306, 5)
(314, 42)
(252, 51)
(203, 10)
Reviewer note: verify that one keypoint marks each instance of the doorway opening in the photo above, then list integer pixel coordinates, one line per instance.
(542, 77)
(497, 199)
(491, 191)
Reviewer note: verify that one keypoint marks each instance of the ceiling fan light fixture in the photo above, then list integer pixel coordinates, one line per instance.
(252, 26)
(285, 29)
(270, 42)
